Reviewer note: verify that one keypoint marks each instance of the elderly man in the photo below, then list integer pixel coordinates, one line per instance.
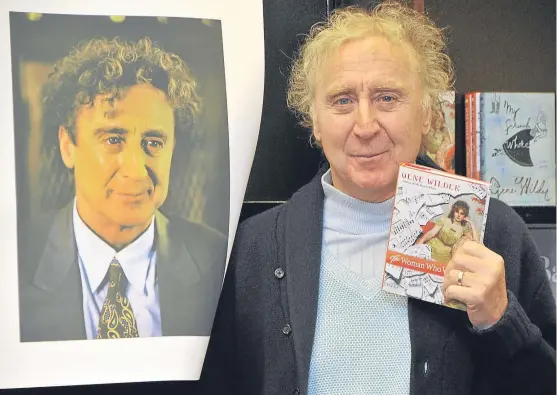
(302, 310)
(110, 264)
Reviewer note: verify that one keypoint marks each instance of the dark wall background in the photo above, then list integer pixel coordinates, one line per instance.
(283, 159)
(500, 44)
(496, 45)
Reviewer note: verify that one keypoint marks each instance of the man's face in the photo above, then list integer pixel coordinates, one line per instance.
(122, 156)
(368, 117)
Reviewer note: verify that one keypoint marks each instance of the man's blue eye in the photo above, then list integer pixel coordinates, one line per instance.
(344, 101)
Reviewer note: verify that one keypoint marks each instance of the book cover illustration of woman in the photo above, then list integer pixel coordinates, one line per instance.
(448, 233)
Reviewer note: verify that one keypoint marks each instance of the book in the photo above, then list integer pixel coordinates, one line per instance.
(472, 135)
(468, 132)
(544, 237)
(434, 213)
(439, 142)
(515, 145)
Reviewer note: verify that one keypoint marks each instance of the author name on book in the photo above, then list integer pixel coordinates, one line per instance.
(429, 181)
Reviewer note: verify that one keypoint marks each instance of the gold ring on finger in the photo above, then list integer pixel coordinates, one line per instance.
(459, 279)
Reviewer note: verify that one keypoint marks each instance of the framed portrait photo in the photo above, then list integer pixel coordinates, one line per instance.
(131, 130)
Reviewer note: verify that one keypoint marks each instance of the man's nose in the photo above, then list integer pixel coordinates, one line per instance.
(133, 163)
(366, 125)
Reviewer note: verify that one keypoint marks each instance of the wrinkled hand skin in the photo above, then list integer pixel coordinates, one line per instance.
(483, 289)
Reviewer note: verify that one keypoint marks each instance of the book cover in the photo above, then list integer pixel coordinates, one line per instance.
(517, 147)
(434, 212)
(439, 142)
(544, 237)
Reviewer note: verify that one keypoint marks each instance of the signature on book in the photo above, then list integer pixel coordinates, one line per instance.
(524, 186)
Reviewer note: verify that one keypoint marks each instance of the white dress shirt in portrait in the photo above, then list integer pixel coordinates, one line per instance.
(138, 261)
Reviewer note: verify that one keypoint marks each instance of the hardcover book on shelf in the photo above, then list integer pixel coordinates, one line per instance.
(434, 212)
(544, 237)
(439, 142)
(472, 135)
(515, 145)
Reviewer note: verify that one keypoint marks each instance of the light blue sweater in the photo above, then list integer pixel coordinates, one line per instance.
(362, 342)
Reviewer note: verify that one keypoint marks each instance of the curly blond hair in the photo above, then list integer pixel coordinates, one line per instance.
(393, 20)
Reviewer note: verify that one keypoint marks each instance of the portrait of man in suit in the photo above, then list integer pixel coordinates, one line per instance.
(108, 263)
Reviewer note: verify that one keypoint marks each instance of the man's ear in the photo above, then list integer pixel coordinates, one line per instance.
(316, 133)
(67, 147)
(426, 124)
(315, 128)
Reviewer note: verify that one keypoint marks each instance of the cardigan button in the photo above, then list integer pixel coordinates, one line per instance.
(286, 330)
(279, 273)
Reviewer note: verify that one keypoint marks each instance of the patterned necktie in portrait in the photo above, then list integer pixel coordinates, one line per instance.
(117, 319)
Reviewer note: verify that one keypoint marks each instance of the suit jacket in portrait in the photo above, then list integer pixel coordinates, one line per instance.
(190, 267)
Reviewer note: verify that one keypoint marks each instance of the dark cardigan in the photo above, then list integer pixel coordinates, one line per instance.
(263, 333)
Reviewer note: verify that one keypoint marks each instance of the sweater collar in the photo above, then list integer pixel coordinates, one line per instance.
(346, 214)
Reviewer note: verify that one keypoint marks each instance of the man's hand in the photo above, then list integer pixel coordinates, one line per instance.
(482, 287)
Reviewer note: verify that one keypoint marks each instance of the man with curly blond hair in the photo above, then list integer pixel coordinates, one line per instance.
(302, 309)
(110, 264)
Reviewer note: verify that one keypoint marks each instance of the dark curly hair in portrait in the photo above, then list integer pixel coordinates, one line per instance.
(103, 66)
